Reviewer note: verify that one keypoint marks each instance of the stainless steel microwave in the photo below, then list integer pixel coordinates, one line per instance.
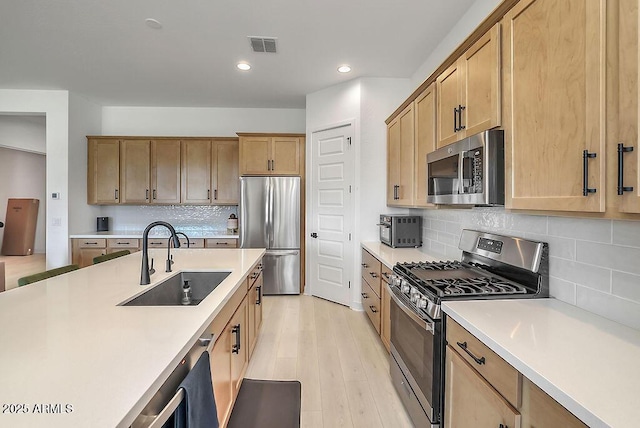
(468, 172)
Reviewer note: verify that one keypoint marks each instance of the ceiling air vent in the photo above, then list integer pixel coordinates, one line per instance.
(263, 44)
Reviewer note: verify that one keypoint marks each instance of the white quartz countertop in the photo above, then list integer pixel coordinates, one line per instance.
(390, 256)
(66, 341)
(133, 234)
(587, 363)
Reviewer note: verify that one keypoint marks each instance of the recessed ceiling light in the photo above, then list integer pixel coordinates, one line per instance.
(344, 69)
(153, 23)
(243, 66)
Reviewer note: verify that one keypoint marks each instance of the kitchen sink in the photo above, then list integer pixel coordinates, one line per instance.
(169, 291)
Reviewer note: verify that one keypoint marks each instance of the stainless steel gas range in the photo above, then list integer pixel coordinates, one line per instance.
(492, 267)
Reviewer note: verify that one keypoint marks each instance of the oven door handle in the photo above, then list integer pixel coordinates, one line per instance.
(410, 313)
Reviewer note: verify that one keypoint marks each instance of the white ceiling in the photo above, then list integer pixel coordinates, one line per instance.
(103, 49)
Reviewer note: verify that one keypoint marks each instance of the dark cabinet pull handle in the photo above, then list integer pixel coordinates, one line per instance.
(585, 173)
(364, 295)
(208, 194)
(373, 274)
(460, 125)
(215, 194)
(146, 194)
(259, 291)
(396, 192)
(91, 243)
(373, 309)
(116, 194)
(463, 345)
(455, 119)
(364, 265)
(155, 196)
(123, 243)
(502, 426)
(236, 346)
(621, 151)
(222, 243)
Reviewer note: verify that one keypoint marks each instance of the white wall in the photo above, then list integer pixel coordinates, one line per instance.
(27, 133)
(366, 103)
(23, 175)
(465, 26)
(85, 118)
(212, 122)
(55, 106)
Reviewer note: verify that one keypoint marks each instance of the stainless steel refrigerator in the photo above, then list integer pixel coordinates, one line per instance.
(270, 218)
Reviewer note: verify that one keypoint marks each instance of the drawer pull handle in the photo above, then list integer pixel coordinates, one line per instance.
(463, 345)
(123, 243)
(364, 265)
(222, 243)
(364, 295)
(373, 309)
(502, 426)
(373, 274)
(90, 243)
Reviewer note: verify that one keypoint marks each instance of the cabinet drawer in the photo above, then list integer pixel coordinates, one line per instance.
(222, 243)
(500, 374)
(123, 243)
(254, 275)
(92, 243)
(158, 242)
(371, 268)
(371, 303)
(193, 243)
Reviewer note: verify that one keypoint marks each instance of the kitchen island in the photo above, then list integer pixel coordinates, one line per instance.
(71, 356)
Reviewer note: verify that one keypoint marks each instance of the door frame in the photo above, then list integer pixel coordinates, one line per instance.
(354, 302)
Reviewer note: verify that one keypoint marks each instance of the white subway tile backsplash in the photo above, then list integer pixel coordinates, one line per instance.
(625, 259)
(562, 290)
(594, 263)
(609, 306)
(586, 229)
(626, 285)
(581, 273)
(196, 217)
(626, 233)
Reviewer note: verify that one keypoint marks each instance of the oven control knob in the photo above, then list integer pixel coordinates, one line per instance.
(405, 287)
(422, 303)
(414, 295)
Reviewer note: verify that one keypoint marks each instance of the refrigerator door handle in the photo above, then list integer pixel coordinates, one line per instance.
(285, 253)
(270, 214)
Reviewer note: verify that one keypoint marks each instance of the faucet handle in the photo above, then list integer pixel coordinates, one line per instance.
(151, 269)
(168, 264)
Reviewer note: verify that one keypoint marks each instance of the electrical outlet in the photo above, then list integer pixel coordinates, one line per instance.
(56, 221)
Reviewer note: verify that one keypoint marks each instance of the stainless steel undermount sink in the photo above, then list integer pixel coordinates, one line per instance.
(169, 291)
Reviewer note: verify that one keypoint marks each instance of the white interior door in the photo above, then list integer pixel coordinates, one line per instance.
(330, 249)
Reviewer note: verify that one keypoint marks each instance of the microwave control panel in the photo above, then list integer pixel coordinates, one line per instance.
(477, 171)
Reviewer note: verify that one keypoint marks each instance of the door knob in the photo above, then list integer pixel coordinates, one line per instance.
(314, 235)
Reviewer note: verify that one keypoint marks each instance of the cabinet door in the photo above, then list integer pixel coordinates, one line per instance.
(225, 178)
(85, 256)
(196, 171)
(251, 319)
(255, 155)
(237, 329)
(259, 285)
(135, 171)
(220, 361)
(448, 87)
(481, 86)
(540, 410)
(555, 104)
(285, 156)
(165, 171)
(470, 401)
(103, 175)
(425, 142)
(401, 159)
(628, 54)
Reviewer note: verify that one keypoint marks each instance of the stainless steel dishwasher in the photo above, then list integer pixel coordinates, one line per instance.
(165, 402)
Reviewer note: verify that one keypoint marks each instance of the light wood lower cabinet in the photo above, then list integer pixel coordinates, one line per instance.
(222, 243)
(254, 307)
(483, 390)
(375, 297)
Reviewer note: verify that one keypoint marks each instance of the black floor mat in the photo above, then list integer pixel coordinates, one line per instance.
(267, 404)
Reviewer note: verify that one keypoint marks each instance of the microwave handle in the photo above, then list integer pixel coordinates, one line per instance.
(461, 156)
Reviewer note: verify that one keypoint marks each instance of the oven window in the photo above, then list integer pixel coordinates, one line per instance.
(443, 176)
(415, 346)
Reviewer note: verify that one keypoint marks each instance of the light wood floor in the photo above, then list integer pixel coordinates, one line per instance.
(18, 266)
(337, 356)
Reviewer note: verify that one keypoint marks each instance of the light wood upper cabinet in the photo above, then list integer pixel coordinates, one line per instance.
(271, 154)
(470, 401)
(135, 171)
(103, 172)
(469, 91)
(224, 175)
(165, 171)
(400, 159)
(628, 77)
(554, 74)
(196, 171)
(425, 142)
